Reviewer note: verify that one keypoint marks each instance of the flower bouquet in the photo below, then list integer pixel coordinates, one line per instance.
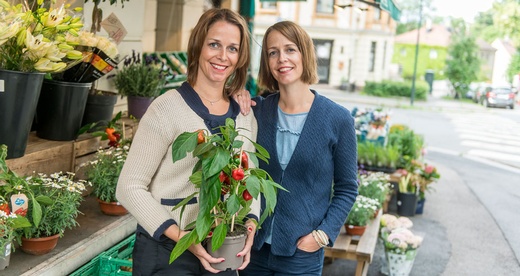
(400, 244)
(228, 180)
(375, 185)
(32, 38)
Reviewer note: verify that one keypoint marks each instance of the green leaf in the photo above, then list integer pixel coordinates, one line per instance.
(253, 185)
(185, 201)
(86, 128)
(219, 235)
(203, 148)
(196, 178)
(214, 165)
(233, 204)
(184, 143)
(36, 213)
(184, 243)
(45, 200)
(269, 195)
(21, 222)
(261, 150)
(253, 160)
(260, 157)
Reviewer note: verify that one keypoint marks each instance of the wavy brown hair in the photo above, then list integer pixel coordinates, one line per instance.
(237, 80)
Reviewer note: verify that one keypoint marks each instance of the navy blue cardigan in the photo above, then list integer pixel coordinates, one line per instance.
(321, 176)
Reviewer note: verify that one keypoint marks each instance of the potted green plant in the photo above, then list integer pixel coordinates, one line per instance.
(9, 223)
(375, 185)
(103, 172)
(360, 215)
(140, 81)
(228, 179)
(54, 202)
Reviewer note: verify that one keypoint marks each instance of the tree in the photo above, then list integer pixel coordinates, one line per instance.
(514, 67)
(410, 14)
(506, 18)
(463, 63)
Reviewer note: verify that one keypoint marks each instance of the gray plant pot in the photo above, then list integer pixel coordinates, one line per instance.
(229, 251)
(5, 256)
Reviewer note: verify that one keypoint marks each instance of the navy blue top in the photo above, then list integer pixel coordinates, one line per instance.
(325, 155)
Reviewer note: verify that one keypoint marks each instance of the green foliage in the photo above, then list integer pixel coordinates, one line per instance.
(506, 18)
(104, 171)
(58, 197)
(222, 201)
(362, 211)
(404, 55)
(393, 88)
(408, 144)
(136, 78)
(514, 67)
(463, 63)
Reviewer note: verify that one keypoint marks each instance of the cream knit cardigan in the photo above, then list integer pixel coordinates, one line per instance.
(150, 179)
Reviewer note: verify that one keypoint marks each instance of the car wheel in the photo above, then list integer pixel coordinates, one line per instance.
(512, 106)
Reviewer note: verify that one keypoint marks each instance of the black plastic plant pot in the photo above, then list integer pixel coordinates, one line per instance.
(60, 110)
(406, 204)
(19, 94)
(99, 109)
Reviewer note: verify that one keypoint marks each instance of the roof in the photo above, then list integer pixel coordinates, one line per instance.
(436, 35)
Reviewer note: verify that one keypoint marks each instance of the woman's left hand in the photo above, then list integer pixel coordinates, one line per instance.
(246, 252)
(243, 98)
(307, 243)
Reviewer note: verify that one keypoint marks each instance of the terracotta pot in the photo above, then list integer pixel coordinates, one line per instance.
(39, 246)
(228, 251)
(112, 208)
(355, 230)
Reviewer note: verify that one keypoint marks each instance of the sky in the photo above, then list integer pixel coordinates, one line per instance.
(466, 9)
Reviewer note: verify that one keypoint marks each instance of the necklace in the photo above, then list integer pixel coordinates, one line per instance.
(211, 102)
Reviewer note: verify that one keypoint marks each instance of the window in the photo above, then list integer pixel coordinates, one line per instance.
(325, 6)
(377, 14)
(372, 58)
(268, 5)
(384, 55)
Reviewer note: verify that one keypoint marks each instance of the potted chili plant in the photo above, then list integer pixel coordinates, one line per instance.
(228, 179)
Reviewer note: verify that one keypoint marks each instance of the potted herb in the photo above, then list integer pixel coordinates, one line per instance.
(228, 179)
(140, 81)
(54, 202)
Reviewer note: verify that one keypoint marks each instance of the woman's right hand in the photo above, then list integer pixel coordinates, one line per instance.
(205, 258)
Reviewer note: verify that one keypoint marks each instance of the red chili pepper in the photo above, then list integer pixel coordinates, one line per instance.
(110, 134)
(223, 177)
(5, 207)
(237, 174)
(247, 196)
(245, 161)
(200, 137)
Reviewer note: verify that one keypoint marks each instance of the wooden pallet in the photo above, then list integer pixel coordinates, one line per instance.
(360, 249)
(46, 156)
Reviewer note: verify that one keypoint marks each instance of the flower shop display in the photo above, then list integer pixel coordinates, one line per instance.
(53, 207)
(140, 81)
(376, 185)
(371, 124)
(228, 180)
(407, 193)
(400, 244)
(103, 172)
(377, 157)
(409, 144)
(360, 215)
(31, 43)
(9, 222)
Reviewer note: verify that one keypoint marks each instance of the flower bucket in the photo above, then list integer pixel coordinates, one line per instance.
(5, 256)
(99, 108)
(137, 106)
(60, 110)
(229, 249)
(420, 206)
(406, 204)
(400, 264)
(19, 94)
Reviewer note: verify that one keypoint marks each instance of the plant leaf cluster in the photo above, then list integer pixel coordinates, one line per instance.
(222, 204)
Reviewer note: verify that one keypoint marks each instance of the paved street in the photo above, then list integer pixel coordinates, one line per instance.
(470, 221)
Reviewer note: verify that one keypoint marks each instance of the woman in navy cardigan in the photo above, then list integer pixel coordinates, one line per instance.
(313, 150)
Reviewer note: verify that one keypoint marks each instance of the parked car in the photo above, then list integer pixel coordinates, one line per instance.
(498, 96)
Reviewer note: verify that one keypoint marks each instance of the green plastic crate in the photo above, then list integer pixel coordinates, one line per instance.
(89, 269)
(117, 260)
